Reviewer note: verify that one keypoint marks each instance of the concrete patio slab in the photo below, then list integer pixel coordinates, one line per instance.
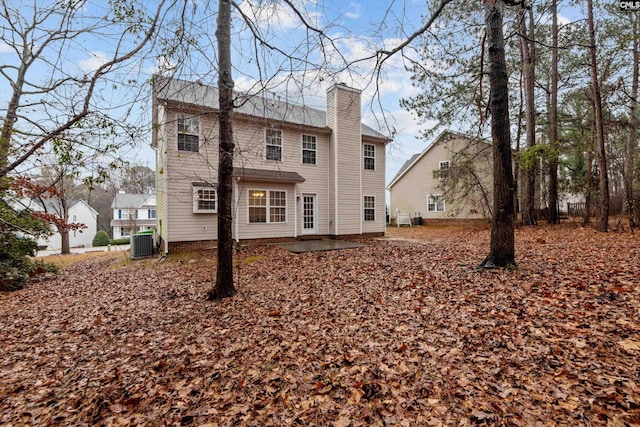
(318, 245)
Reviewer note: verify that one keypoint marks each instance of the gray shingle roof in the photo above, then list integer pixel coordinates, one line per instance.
(130, 200)
(199, 95)
(265, 175)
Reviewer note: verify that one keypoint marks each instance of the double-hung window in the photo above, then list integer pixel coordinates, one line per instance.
(444, 169)
(309, 149)
(277, 206)
(369, 208)
(205, 199)
(369, 152)
(435, 203)
(273, 144)
(188, 134)
(267, 206)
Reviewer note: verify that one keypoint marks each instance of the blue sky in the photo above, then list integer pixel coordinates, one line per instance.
(357, 28)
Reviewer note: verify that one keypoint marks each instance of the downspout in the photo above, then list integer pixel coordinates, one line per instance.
(335, 162)
(360, 173)
(295, 210)
(236, 222)
(163, 156)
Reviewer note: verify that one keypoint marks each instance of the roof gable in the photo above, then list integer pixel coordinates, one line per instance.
(446, 135)
(128, 201)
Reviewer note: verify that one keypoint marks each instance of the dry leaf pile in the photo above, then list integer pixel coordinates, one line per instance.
(401, 332)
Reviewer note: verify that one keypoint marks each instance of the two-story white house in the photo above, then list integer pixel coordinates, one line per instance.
(299, 171)
(133, 213)
(79, 212)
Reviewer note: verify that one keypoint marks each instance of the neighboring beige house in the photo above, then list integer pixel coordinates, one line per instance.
(133, 213)
(451, 178)
(298, 171)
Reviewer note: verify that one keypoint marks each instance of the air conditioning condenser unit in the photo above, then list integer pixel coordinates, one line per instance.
(141, 245)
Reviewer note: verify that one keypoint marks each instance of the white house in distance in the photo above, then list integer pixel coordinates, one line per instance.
(79, 212)
(298, 171)
(451, 178)
(133, 213)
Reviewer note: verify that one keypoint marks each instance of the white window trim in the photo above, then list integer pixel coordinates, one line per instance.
(444, 203)
(365, 208)
(302, 149)
(196, 208)
(364, 156)
(268, 205)
(266, 130)
(197, 120)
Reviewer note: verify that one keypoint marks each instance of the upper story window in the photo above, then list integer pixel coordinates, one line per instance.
(188, 134)
(444, 169)
(273, 144)
(205, 200)
(309, 149)
(151, 213)
(369, 157)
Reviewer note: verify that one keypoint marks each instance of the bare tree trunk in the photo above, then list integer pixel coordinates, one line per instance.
(224, 276)
(517, 172)
(632, 139)
(528, 64)
(603, 220)
(502, 245)
(586, 219)
(64, 241)
(554, 217)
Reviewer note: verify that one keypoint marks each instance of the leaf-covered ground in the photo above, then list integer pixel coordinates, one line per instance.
(402, 332)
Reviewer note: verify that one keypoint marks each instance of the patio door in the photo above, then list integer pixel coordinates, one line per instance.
(309, 215)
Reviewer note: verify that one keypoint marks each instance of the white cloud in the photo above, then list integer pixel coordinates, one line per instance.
(546, 19)
(354, 11)
(91, 64)
(5, 48)
(276, 15)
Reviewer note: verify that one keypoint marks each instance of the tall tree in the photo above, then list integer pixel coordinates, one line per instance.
(224, 274)
(502, 244)
(47, 100)
(603, 179)
(527, 47)
(632, 137)
(554, 217)
(137, 179)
